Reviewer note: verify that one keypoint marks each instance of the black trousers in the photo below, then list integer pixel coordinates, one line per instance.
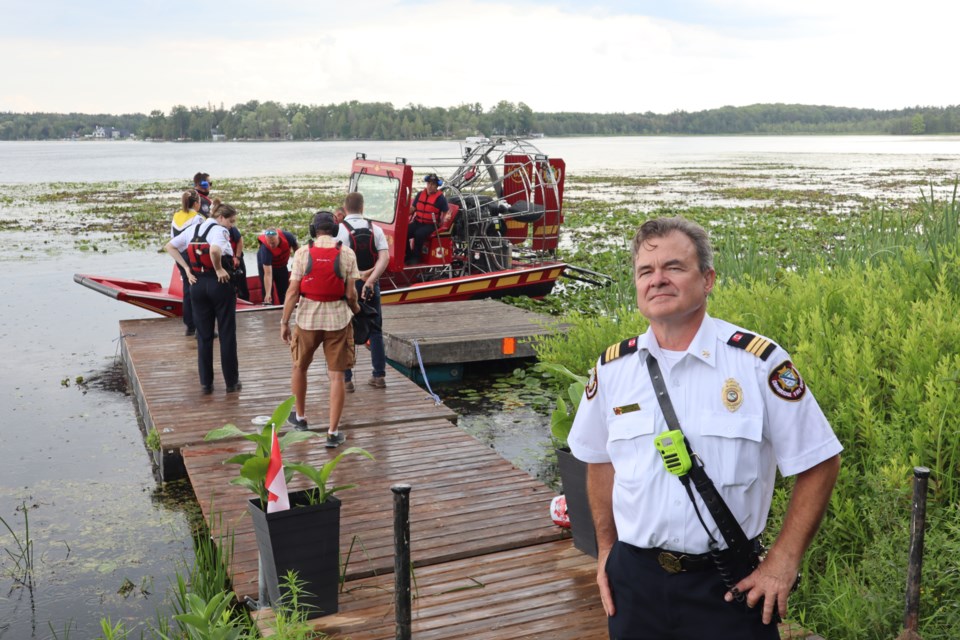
(652, 604)
(187, 305)
(419, 231)
(215, 306)
(281, 280)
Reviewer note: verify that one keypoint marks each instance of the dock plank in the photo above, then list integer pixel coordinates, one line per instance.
(162, 362)
(455, 332)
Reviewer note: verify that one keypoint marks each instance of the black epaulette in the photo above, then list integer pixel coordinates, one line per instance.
(757, 345)
(615, 351)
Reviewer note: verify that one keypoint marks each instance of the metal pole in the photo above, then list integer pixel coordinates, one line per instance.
(401, 559)
(917, 525)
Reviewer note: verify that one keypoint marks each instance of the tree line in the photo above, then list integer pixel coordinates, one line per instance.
(256, 120)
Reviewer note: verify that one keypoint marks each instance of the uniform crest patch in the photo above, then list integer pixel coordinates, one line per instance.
(786, 383)
(592, 384)
(732, 395)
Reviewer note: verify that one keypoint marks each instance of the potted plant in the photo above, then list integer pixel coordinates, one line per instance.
(306, 537)
(573, 472)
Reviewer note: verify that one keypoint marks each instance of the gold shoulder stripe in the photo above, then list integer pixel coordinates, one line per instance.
(757, 345)
(619, 350)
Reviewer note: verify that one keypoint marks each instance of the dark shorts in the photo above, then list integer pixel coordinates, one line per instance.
(337, 347)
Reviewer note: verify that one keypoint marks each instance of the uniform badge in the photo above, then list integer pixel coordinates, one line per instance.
(592, 384)
(627, 408)
(732, 395)
(785, 382)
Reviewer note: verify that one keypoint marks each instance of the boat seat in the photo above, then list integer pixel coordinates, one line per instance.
(445, 228)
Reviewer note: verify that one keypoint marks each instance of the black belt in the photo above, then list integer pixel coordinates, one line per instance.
(679, 562)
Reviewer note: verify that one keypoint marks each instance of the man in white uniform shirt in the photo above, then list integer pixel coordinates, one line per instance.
(745, 411)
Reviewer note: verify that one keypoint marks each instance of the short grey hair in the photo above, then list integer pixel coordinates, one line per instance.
(661, 227)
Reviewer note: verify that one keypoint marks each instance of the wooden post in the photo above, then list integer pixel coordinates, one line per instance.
(917, 525)
(401, 559)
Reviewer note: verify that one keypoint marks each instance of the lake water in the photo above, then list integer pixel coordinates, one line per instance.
(102, 161)
(106, 538)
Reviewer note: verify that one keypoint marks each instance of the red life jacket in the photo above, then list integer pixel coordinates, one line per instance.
(322, 281)
(281, 253)
(198, 251)
(426, 207)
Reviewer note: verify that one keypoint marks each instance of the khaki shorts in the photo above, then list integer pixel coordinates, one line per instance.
(337, 347)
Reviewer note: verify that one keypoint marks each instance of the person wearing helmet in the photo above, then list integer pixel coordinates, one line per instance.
(425, 211)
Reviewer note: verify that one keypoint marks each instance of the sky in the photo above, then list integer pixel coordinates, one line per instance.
(599, 56)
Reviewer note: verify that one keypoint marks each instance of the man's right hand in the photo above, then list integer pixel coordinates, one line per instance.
(606, 595)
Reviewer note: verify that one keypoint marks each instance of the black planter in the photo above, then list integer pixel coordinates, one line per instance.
(305, 539)
(573, 476)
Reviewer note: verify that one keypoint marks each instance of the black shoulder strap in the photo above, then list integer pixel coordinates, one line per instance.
(729, 527)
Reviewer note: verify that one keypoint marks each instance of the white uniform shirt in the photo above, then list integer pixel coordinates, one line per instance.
(219, 236)
(743, 415)
(357, 221)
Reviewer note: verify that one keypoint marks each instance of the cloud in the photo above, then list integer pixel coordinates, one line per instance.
(607, 56)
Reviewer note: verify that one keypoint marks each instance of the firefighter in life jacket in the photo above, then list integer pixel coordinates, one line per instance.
(276, 247)
(425, 212)
(214, 299)
(323, 282)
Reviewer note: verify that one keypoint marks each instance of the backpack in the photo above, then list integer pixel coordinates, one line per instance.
(361, 241)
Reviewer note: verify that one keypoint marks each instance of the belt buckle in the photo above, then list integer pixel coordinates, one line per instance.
(669, 562)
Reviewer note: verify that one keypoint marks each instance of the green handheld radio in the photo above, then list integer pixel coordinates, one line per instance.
(673, 450)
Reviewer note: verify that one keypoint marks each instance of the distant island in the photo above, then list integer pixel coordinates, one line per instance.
(382, 121)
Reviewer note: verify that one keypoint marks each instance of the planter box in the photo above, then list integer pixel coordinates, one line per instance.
(305, 539)
(573, 476)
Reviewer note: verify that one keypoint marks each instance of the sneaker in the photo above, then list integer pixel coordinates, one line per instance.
(378, 382)
(190, 332)
(206, 389)
(231, 388)
(299, 425)
(334, 440)
(348, 385)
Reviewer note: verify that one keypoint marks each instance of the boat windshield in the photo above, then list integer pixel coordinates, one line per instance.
(379, 196)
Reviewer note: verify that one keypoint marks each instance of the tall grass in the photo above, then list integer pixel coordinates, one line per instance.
(871, 320)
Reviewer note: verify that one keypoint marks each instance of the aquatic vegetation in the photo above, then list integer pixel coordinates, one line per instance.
(869, 317)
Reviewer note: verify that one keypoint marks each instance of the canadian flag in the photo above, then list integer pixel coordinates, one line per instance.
(277, 498)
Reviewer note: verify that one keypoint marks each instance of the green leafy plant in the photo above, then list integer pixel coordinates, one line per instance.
(320, 476)
(210, 619)
(253, 466)
(561, 420)
(153, 440)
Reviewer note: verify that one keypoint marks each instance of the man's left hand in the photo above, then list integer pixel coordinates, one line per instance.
(770, 583)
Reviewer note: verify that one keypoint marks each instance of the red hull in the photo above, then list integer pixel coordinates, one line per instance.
(536, 282)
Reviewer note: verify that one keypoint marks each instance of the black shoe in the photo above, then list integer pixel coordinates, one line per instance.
(299, 425)
(190, 332)
(206, 389)
(235, 387)
(334, 440)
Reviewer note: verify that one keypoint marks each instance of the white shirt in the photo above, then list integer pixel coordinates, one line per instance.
(742, 414)
(357, 221)
(219, 236)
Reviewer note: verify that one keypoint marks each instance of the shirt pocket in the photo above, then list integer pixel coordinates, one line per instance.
(730, 447)
(630, 443)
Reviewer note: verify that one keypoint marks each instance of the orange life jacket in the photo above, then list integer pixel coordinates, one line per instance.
(426, 207)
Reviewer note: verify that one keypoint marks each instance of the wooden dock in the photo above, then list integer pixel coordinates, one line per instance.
(489, 562)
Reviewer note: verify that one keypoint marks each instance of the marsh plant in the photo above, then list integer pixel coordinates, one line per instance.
(20, 552)
(876, 340)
